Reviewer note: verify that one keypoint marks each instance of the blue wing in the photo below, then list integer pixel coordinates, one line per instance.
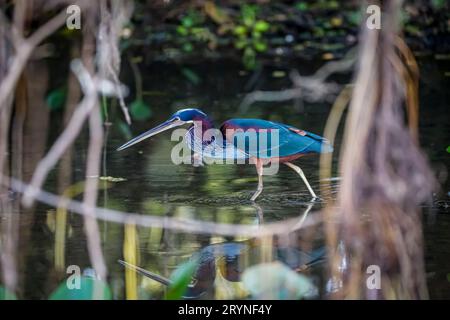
(215, 149)
(273, 139)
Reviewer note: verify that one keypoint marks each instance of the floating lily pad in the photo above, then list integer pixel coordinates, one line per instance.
(279, 74)
(276, 281)
(112, 179)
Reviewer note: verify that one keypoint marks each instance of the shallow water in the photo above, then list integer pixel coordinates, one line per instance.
(218, 193)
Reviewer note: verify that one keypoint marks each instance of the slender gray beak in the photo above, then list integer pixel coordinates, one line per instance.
(171, 123)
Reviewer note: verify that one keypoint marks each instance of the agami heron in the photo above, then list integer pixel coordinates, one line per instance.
(291, 143)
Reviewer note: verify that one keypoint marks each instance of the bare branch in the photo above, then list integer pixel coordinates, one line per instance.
(24, 48)
(112, 21)
(91, 191)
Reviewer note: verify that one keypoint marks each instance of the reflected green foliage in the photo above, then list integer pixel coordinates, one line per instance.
(277, 281)
(140, 110)
(5, 294)
(85, 292)
(181, 279)
(154, 207)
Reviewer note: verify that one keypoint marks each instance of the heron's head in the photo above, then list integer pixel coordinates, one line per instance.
(177, 119)
(189, 115)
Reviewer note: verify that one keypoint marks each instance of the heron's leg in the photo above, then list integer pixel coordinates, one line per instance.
(259, 170)
(300, 172)
(197, 160)
(259, 212)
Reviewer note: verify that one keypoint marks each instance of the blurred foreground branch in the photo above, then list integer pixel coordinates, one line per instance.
(385, 176)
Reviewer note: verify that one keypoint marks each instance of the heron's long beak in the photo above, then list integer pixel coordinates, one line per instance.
(171, 123)
(146, 273)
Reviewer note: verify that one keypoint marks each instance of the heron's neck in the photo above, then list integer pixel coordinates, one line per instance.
(203, 123)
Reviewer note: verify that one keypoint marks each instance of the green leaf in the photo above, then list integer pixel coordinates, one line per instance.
(261, 26)
(181, 278)
(256, 34)
(191, 76)
(275, 281)
(5, 294)
(56, 98)
(249, 58)
(260, 46)
(448, 149)
(182, 30)
(248, 15)
(84, 292)
(187, 22)
(240, 31)
(240, 44)
(140, 110)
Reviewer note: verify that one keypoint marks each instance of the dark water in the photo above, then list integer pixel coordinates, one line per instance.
(220, 193)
